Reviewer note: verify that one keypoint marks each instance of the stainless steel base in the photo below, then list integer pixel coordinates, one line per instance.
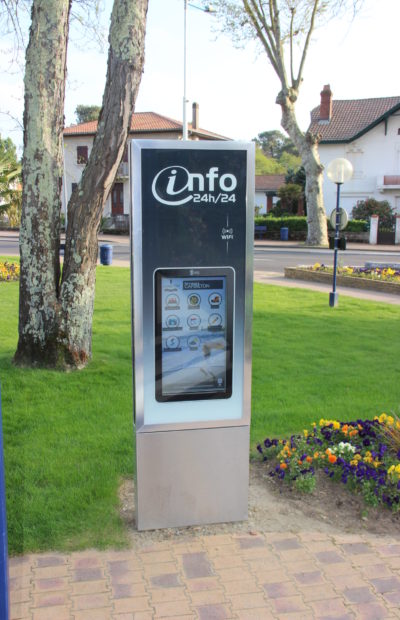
(192, 477)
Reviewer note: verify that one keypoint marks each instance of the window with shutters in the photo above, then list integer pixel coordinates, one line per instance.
(81, 154)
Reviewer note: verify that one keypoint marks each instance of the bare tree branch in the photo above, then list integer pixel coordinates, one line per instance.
(307, 43)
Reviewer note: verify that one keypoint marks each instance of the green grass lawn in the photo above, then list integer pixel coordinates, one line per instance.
(69, 438)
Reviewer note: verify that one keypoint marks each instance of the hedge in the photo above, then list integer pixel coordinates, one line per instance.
(297, 223)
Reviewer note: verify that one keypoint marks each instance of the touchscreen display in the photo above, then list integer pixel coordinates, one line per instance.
(193, 335)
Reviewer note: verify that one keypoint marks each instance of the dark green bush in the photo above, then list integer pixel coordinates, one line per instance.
(365, 208)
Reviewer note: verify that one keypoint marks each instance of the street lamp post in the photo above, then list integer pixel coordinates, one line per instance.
(338, 171)
(207, 9)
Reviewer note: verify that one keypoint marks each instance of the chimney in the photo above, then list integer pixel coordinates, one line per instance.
(195, 116)
(325, 109)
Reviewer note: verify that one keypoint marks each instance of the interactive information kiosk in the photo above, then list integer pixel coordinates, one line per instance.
(192, 244)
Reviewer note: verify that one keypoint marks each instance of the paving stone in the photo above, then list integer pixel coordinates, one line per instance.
(267, 561)
(356, 548)
(228, 561)
(289, 604)
(386, 584)
(93, 614)
(196, 565)
(301, 566)
(119, 566)
(218, 539)
(329, 557)
(354, 580)
(233, 574)
(341, 568)
(393, 598)
(50, 599)
(250, 542)
(168, 580)
(388, 550)
(241, 587)
(87, 574)
(157, 557)
(20, 611)
(259, 613)
(91, 601)
(222, 551)
(132, 604)
(371, 611)
(359, 595)
(86, 561)
(213, 612)
(208, 597)
(149, 570)
(286, 544)
(311, 578)
(51, 613)
(167, 595)
(247, 601)
(126, 590)
(128, 576)
(376, 570)
(49, 572)
(20, 596)
(23, 581)
(50, 560)
(267, 576)
(330, 608)
(198, 585)
(317, 592)
(280, 590)
(172, 609)
(89, 587)
(51, 584)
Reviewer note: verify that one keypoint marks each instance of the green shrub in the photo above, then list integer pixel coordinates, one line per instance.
(274, 224)
(353, 226)
(365, 208)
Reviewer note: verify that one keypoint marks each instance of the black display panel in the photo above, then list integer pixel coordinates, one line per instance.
(193, 333)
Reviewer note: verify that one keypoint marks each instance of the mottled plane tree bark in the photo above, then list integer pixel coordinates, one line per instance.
(55, 313)
(284, 28)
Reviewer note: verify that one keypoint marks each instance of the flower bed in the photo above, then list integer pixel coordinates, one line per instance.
(385, 280)
(9, 271)
(369, 273)
(363, 454)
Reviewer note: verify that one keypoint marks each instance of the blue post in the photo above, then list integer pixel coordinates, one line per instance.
(334, 297)
(4, 593)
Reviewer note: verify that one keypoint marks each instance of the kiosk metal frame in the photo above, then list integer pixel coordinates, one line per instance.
(192, 455)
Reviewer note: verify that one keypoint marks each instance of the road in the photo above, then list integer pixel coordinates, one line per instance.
(271, 258)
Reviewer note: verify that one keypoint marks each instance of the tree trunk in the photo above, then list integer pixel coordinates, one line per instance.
(67, 344)
(42, 171)
(307, 146)
(125, 66)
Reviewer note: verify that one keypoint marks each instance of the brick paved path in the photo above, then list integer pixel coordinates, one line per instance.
(270, 575)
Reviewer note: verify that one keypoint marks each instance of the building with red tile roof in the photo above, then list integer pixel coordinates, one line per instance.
(367, 133)
(78, 142)
(267, 186)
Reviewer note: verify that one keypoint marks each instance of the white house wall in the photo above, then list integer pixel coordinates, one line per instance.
(260, 200)
(73, 170)
(373, 156)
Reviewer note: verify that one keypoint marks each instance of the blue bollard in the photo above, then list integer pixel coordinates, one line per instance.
(106, 253)
(4, 592)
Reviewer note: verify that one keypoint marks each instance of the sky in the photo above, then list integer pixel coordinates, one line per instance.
(235, 88)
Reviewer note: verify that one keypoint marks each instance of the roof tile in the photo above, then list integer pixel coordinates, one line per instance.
(265, 182)
(351, 117)
(141, 122)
